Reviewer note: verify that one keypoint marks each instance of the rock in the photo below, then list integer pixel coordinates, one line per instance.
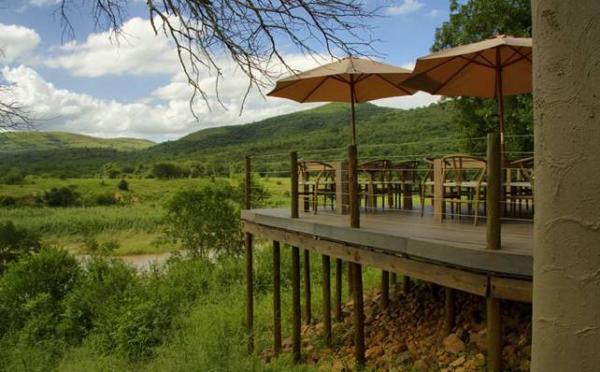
(458, 362)
(479, 340)
(374, 352)
(453, 344)
(421, 365)
(479, 360)
(403, 357)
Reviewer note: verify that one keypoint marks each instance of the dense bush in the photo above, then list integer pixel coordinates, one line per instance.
(61, 197)
(205, 220)
(111, 170)
(123, 185)
(105, 198)
(7, 201)
(13, 177)
(166, 171)
(15, 243)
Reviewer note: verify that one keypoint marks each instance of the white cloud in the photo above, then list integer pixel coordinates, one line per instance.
(433, 13)
(41, 3)
(138, 52)
(164, 115)
(407, 6)
(17, 42)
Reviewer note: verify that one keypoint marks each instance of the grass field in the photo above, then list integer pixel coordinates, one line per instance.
(135, 225)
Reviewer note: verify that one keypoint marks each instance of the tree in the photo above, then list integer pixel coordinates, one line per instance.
(13, 115)
(166, 171)
(206, 221)
(15, 243)
(475, 117)
(252, 33)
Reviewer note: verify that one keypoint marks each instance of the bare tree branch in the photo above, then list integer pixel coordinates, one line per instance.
(254, 34)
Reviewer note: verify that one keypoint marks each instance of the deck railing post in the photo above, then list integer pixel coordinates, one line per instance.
(494, 180)
(439, 206)
(249, 271)
(276, 297)
(294, 180)
(353, 186)
(341, 188)
(327, 299)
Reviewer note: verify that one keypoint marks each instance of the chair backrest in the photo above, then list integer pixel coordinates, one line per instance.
(375, 169)
(321, 169)
(459, 167)
(524, 168)
(406, 170)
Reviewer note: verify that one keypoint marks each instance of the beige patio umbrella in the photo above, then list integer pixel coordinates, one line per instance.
(492, 68)
(350, 79)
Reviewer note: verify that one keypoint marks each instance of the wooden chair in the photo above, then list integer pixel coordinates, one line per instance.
(377, 174)
(426, 184)
(518, 187)
(463, 176)
(316, 179)
(403, 178)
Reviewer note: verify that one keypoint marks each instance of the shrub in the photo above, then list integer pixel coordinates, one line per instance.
(13, 177)
(105, 198)
(32, 288)
(205, 220)
(15, 243)
(61, 197)
(123, 185)
(166, 171)
(7, 201)
(111, 170)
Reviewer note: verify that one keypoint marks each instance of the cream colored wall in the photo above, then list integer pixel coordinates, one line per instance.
(566, 297)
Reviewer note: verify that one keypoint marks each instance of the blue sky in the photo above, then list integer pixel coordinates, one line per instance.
(88, 84)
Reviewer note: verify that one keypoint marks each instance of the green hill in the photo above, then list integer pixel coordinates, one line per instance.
(12, 142)
(320, 133)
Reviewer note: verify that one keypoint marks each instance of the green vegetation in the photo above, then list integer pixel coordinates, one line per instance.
(220, 151)
(41, 141)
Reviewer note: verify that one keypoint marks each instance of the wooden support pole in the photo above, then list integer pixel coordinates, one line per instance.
(449, 310)
(494, 334)
(249, 271)
(294, 177)
(249, 293)
(405, 284)
(296, 340)
(353, 186)
(359, 316)
(494, 183)
(307, 294)
(439, 206)
(276, 297)
(327, 299)
(385, 289)
(350, 280)
(338, 289)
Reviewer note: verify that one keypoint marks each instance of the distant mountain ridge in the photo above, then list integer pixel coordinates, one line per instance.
(11, 142)
(382, 131)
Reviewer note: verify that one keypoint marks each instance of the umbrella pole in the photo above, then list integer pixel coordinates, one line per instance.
(500, 100)
(352, 99)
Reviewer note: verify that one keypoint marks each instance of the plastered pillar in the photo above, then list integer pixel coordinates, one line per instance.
(566, 289)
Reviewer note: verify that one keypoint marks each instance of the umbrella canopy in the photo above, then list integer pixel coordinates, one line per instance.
(350, 79)
(493, 68)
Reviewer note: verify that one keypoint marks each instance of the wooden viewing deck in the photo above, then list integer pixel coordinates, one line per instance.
(493, 259)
